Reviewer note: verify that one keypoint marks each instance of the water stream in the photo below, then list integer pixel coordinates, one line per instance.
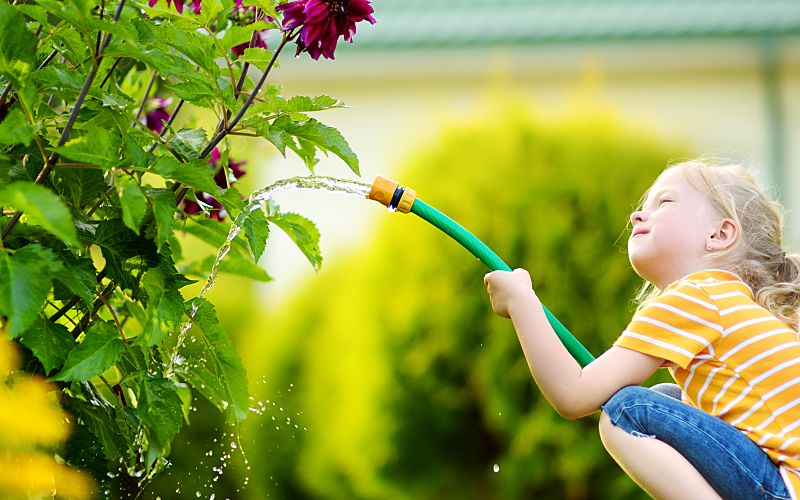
(254, 202)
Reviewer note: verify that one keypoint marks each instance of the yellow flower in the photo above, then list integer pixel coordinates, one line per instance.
(31, 419)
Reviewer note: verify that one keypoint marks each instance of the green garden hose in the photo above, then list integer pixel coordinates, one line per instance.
(404, 200)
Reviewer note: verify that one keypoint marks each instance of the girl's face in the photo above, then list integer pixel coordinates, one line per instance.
(671, 231)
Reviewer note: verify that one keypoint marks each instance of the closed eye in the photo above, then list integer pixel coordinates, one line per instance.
(664, 200)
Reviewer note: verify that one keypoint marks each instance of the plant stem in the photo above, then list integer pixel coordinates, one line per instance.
(70, 122)
(146, 95)
(66, 307)
(167, 125)
(221, 135)
(111, 70)
(101, 299)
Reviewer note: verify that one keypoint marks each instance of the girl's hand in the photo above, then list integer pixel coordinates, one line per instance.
(508, 289)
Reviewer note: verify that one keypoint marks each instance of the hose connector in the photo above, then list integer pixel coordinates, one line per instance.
(392, 195)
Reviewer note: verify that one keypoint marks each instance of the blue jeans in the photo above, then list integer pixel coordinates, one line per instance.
(732, 464)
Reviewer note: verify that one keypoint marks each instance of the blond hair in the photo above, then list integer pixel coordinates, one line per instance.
(758, 255)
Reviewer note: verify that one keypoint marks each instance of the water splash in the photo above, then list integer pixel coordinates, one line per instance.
(252, 204)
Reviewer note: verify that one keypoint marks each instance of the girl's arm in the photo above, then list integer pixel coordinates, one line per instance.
(572, 391)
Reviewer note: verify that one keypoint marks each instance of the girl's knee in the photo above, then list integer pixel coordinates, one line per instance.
(626, 397)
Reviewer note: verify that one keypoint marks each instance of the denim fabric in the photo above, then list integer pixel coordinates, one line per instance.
(732, 464)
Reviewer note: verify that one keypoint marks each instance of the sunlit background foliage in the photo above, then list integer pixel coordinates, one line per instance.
(401, 380)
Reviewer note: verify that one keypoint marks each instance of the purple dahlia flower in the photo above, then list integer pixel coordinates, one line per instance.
(322, 22)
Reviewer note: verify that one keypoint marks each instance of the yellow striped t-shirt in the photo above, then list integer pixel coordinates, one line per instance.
(731, 357)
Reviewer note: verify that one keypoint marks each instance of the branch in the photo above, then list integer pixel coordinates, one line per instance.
(70, 122)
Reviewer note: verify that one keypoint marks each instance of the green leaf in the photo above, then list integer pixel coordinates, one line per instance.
(128, 256)
(304, 234)
(50, 342)
(100, 349)
(78, 275)
(41, 207)
(195, 174)
(210, 9)
(188, 143)
(237, 35)
(17, 45)
(214, 233)
(258, 57)
(164, 61)
(97, 147)
(160, 411)
(325, 138)
(195, 88)
(303, 104)
(133, 201)
(266, 6)
(25, 282)
(256, 229)
(231, 264)
(164, 306)
(194, 45)
(225, 360)
(206, 383)
(162, 202)
(14, 129)
(79, 186)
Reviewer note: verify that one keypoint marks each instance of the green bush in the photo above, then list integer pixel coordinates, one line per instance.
(406, 383)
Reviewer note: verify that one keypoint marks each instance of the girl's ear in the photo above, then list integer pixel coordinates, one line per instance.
(724, 236)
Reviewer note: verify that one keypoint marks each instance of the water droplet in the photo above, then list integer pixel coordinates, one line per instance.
(233, 446)
(496, 468)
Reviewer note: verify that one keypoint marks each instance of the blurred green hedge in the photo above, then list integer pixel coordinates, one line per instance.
(389, 374)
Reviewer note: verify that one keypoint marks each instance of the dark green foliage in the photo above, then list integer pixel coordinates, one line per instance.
(93, 208)
(408, 384)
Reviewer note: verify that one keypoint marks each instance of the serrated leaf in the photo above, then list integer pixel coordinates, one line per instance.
(167, 64)
(231, 264)
(133, 202)
(127, 255)
(79, 186)
(162, 202)
(25, 281)
(325, 138)
(206, 383)
(164, 306)
(194, 45)
(78, 275)
(303, 232)
(226, 361)
(97, 147)
(210, 9)
(258, 57)
(237, 35)
(17, 45)
(214, 233)
(160, 411)
(41, 207)
(188, 143)
(50, 342)
(99, 351)
(256, 228)
(14, 129)
(195, 173)
(304, 104)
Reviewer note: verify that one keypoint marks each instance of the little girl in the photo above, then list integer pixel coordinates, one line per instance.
(720, 311)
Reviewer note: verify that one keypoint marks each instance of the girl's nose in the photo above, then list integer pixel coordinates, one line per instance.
(638, 216)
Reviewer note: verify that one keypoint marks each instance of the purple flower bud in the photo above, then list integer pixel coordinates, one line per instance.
(260, 42)
(158, 114)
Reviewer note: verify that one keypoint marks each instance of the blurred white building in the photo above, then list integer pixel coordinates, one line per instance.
(721, 75)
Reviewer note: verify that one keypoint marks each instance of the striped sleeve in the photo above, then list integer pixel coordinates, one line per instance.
(677, 325)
